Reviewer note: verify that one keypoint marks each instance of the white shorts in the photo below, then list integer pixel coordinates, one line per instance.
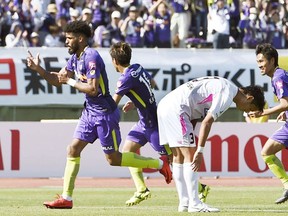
(175, 129)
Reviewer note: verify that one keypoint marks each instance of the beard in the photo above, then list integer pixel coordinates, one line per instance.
(73, 48)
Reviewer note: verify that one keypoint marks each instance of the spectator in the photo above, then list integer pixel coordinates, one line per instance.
(131, 28)
(87, 16)
(100, 15)
(48, 20)
(34, 40)
(149, 33)
(17, 37)
(252, 31)
(53, 38)
(114, 28)
(162, 16)
(74, 14)
(180, 22)
(219, 19)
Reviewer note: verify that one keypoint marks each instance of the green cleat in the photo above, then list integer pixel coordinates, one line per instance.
(204, 193)
(138, 197)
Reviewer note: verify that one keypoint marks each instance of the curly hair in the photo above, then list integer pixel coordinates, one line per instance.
(79, 27)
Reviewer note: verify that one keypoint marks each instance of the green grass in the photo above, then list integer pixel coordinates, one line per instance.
(232, 201)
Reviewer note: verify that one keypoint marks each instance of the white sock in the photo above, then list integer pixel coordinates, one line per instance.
(66, 197)
(177, 170)
(191, 180)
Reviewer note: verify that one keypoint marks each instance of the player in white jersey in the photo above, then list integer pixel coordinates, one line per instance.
(204, 98)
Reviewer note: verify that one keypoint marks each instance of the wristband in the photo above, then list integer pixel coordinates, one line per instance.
(71, 82)
(200, 149)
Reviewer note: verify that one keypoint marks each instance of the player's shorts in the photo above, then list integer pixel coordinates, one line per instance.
(175, 129)
(281, 135)
(142, 135)
(105, 127)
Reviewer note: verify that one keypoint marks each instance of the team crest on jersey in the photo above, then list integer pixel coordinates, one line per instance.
(92, 65)
(279, 84)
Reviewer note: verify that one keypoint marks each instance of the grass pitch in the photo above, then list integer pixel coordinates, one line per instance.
(232, 201)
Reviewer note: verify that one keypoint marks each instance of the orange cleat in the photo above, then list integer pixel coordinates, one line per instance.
(59, 203)
(165, 170)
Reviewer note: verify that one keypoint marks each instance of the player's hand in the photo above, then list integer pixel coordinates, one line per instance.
(128, 106)
(255, 114)
(62, 76)
(32, 62)
(197, 160)
(281, 117)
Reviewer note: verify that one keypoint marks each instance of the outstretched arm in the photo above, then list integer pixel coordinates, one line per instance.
(34, 64)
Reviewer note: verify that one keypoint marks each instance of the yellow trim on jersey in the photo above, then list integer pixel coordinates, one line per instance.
(138, 98)
(114, 140)
(102, 85)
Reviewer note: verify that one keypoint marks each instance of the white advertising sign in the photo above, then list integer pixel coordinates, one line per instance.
(169, 67)
(35, 149)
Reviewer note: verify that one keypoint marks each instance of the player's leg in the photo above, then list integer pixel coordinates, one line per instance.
(142, 192)
(268, 153)
(110, 138)
(178, 177)
(71, 171)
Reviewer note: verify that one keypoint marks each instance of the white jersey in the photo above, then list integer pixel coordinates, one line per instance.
(199, 96)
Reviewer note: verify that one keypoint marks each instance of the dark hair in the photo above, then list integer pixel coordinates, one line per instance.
(258, 94)
(268, 51)
(121, 52)
(78, 27)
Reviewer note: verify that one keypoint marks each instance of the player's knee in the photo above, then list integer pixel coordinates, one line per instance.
(267, 158)
(113, 159)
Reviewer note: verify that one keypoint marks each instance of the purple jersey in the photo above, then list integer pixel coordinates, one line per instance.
(178, 6)
(280, 88)
(162, 28)
(135, 84)
(90, 65)
(280, 84)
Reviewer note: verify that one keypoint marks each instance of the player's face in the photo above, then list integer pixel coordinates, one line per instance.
(72, 43)
(266, 67)
(246, 107)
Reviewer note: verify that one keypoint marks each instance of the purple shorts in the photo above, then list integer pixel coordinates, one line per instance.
(281, 135)
(105, 127)
(142, 135)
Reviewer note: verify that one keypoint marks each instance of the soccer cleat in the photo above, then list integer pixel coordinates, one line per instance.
(284, 197)
(59, 203)
(202, 208)
(165, 170)
(204, 192)
(138, 197)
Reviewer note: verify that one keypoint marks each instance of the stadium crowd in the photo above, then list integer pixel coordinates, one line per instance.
(147, 23)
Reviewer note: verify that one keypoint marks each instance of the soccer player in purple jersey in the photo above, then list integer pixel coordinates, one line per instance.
(136, 83)
(267, 60)
(100, 116)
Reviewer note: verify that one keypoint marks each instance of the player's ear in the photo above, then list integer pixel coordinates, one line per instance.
(114, 61)
(250, 98)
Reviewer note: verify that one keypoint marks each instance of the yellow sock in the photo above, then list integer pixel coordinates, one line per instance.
(276, 167)
(71, 171)
(137, 176)
(130, 159)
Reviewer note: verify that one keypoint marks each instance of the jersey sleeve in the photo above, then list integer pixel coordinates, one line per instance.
(281, 87)
(92, 66)
(221, 102)
(124, 85)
